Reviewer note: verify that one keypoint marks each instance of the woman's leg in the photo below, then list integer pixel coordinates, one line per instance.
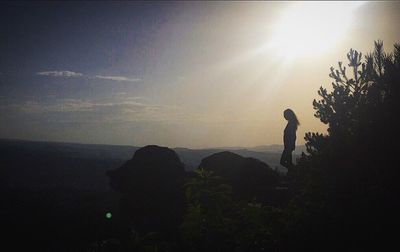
(289, 160)
(283, 161)
(286, 159)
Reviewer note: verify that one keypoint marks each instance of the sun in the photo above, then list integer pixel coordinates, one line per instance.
(311, 28)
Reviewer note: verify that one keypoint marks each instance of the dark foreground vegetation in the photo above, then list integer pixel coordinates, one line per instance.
(341, 196)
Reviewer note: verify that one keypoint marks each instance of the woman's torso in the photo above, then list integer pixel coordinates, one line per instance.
(289, 136)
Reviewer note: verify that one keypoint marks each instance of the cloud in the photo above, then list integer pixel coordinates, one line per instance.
(117, 78)
(39, 107)
(60, 73)
(76, 74)
(132, 109)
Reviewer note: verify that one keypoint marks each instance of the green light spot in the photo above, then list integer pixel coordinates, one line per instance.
(108, 215)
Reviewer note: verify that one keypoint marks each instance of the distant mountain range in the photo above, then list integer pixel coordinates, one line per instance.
(269, 154)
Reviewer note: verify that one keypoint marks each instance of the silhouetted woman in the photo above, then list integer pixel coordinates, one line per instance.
(289, 138)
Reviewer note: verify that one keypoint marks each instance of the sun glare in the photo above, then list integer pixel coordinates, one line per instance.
(310, 28)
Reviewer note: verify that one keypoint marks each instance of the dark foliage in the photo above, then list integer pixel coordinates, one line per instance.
(345, 189)
(214, 221)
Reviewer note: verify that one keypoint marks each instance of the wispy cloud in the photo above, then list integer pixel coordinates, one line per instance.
(132, 109)
(60, 73)
(117, 78)
(65, 73)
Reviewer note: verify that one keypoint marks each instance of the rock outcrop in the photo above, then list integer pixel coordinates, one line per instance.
(249, 177)
(151, 184)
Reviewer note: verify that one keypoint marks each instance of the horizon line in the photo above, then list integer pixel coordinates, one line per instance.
(139, 146)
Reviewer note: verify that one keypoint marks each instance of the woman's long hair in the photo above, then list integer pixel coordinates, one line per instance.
(291, 117)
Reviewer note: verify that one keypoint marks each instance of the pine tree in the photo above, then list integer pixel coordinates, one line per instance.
(348, 181)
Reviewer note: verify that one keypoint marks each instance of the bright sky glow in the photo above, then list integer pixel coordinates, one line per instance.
(311, 28)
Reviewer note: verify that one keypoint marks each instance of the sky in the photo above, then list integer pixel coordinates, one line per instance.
(177, 74)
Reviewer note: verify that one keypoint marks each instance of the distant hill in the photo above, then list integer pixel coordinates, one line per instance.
(73, 149)
(269, 154)
(277, 148)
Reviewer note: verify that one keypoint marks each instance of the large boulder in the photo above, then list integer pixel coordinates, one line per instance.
(151, 184)
(249, 177)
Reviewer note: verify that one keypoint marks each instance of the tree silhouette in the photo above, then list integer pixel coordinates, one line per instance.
(348, 180)
(357, 104)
